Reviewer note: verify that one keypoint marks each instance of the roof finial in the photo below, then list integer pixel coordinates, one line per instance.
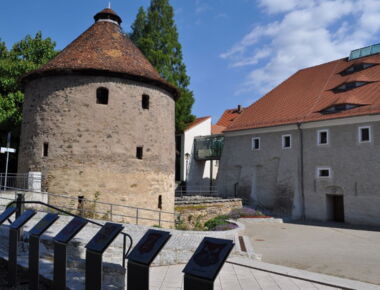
(109, 4)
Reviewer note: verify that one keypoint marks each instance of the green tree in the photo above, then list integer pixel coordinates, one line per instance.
(155, 34)
(25, 55)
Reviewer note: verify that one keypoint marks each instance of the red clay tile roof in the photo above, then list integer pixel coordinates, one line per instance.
(216, 129)
(196, 122)
(301, 97)
(228, 117)
(103, 50)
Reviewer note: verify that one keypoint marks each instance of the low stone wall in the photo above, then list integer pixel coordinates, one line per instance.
(194, 211)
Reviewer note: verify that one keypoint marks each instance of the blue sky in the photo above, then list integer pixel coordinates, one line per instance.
(235, 50)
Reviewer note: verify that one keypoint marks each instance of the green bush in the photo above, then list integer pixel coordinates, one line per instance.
(216, 221)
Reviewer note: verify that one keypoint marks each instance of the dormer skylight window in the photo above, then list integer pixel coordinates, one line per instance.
(365, 51)
(348, 86)
(356, 67)
(339, 108)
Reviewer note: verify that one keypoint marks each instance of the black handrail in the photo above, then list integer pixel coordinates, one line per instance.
(125, 235)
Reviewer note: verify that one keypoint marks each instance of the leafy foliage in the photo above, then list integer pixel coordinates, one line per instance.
(155, 34)
(25, 55)
(216, 221)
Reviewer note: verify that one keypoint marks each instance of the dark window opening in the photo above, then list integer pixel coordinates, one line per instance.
(323, 137)
(335, 208)
(364, 135)
(256, 143)
(139, 152)
(324, 173)
(339, 108)
(356, 67)
(145, 102)
(286, 141)
(102, 96)
(45, 151)
(348, 86)
(160, 201)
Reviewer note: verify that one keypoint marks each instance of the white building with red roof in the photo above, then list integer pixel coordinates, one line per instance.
(309, 148)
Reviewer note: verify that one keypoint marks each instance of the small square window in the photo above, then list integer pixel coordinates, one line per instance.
(323, 172)
(255, 143)
(286, 141)
(323, 137)
(102, 96)
(365, 134)
(139, 152)
(145, 102)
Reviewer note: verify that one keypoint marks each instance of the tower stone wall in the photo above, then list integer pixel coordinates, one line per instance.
(91, 147)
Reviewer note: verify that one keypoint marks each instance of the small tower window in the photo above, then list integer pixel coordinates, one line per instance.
(145, 102)
(365, 134)
(160, 201)
(45, 149)
(256, 143)
(139, 152)
(102, 96)
(286, 141)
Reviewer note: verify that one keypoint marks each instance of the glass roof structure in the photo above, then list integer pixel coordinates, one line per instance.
(364, 51)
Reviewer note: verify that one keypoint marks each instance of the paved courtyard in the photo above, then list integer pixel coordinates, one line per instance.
(333, 250)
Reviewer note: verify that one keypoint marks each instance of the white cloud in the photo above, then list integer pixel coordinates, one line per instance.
(305, 33)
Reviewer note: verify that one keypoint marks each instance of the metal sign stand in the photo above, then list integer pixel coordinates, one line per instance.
(14, 233)
(34, 249)
(61, 240)
(204, 266)
(140, 259)
(94, 254)
(7, 150)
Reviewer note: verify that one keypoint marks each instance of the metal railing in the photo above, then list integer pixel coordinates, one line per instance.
(13, 180)
(95, 209)
(19, 202)
(196, 190)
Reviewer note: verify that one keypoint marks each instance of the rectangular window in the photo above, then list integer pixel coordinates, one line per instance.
(255, 143)
(323, 137)
(145, 102)
(286, 141)
(323, 172)
(365, 134)
(139, 152)
(45, 150)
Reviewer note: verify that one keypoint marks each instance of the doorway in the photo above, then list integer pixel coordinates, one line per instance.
(335, 208)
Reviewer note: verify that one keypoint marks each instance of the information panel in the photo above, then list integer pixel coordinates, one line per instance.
(6, 214)
(70, 230)
(149, 246)
(22, 219)
(104, 237)
(209, 258)
(44, 224)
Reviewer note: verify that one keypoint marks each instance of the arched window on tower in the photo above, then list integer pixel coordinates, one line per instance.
(102, 96)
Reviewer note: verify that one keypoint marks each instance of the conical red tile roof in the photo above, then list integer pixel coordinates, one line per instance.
(103, 49)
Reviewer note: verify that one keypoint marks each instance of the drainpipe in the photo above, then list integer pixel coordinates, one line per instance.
(302, 170)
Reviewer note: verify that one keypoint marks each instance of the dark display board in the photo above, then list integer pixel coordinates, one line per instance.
(149, 246)
(6, 214)
(100, 242)
(22, 219)
(209, 258)
(70, 230)
(44, 224)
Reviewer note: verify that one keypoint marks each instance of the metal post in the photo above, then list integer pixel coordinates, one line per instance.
(159, 218)
(137, 216)
(20, 209)
(60, 261)
(124, 249)
(12, 257)
(192, 282)
(6, 164)
(111, 212)
(94, 270)
(138, 276)
(34, 257)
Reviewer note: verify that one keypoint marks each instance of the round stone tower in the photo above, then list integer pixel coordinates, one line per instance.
(99, 121)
